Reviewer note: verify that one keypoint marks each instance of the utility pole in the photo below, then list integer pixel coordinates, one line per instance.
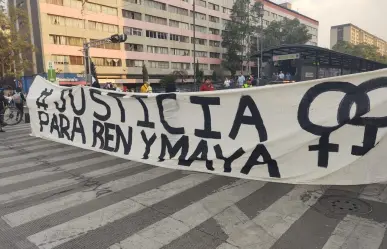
(260, 42)
(194, 41)
(87, 45)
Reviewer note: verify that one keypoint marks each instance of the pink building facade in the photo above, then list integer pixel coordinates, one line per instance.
(159, 35)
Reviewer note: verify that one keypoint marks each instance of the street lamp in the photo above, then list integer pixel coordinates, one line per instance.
(260, 41)
(87, 45)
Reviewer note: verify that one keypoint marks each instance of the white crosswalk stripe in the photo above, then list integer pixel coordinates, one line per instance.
(62, 221)
(168, 229)
(355, 232)
(30, 164)
(53, 171)
(17, 195)
(53, 236)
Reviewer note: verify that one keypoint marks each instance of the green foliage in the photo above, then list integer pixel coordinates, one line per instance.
(236, 37)
(285, 31)
(214, 77)
(366, 51)
(199, 73)
(168, 79)
(14, 43)
(145, 76)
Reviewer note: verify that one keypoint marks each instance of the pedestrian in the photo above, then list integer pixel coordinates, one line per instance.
(3, 103)
(288, 76)
(241, 80)
(146, 87)
(19, 100)
(281, 75)
(226, 83)
(207, 86)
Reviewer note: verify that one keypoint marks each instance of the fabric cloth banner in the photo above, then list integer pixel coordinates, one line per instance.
(329, 131)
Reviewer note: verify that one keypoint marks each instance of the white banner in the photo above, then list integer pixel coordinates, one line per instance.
(328, 131)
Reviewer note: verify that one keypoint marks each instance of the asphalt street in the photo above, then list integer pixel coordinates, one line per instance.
(57, 196)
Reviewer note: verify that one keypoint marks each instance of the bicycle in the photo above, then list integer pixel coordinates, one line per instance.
(10, 115)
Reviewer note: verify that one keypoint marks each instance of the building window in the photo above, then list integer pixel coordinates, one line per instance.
(214, 19)
(200, 53)
(179, 38)
(61, 59)
(212, 6)
(158, 64)
(214, 43)
(133, 31)
(198, 15)
(67, 21)
(155, 5)
(214, 55)
(103, 27)
(134, 63)
(226, 10)
(200, 3)
(67, 60)
(180, 66)
(133, 1)
(224, 22)
(213, 31)
(66, 40)
(177, 10)
(68, 3)
(178, 24)
(181, 52)
(107, 62)
(134, 47)
(114, 46)
(198, 28)
(155, 34)
(155, 19)
(131, 15)
(157, 50)
(76, 60)
(214, 66)
(199, 41)
(203, 66)
(97, 8)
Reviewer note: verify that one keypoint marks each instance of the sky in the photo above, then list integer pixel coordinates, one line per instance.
(369, 15)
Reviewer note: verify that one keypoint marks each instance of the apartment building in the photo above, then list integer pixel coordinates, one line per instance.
(355, 35)
(160, 35)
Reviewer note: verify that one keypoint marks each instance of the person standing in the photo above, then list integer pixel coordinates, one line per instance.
(207, 86)
(3, 103)
(281, 75)
(19, 100)
(241, 80)
(146, 88)
(226, 83)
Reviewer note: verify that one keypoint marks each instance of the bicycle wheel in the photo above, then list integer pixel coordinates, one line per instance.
(12, 116)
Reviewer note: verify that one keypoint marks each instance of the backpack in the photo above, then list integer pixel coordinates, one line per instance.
(17, 98)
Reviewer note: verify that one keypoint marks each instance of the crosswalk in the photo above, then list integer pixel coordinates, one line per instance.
(54, 196)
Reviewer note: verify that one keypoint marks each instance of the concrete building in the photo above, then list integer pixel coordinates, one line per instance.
(355, 35)
(159, 34)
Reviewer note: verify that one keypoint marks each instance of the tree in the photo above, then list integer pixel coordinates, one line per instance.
(14, 43)
(199, 73)
(94, 74)
(214, 76)
(366, 51)
(145, 76)
(244, 23)
(286, 31)
(180, 74)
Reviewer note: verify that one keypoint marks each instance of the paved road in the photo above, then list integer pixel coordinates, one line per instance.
(57, 196)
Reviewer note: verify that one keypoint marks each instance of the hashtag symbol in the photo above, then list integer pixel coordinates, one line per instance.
(41, 101)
